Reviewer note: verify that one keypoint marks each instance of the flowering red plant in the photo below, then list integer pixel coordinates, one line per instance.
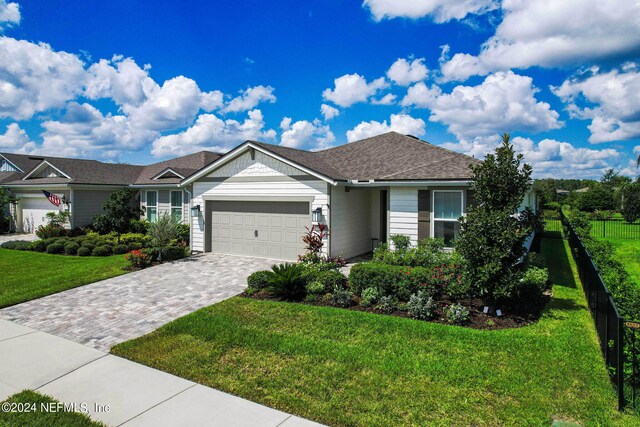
(138, 259)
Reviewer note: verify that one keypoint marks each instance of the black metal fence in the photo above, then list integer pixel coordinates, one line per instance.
(619, 338)
(614, 229)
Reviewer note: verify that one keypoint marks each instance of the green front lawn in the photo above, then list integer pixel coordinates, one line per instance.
(628, 252)
(29, 275)
(41, 414)
(343, 367)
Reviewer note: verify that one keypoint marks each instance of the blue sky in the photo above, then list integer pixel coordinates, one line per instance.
(140, 82)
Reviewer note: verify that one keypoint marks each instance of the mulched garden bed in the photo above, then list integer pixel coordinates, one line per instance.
(477, 318)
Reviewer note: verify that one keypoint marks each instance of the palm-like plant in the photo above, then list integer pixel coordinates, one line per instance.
(286, 281)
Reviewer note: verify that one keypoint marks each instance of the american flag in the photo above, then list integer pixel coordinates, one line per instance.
(52, 198)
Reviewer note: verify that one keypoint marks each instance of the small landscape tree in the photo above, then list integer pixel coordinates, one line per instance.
(163, 231)
(493, 233)
(631, 202)
(118, 212)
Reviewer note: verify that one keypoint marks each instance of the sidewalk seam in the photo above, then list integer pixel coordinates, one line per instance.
(285, 420)
(73, 370)
(21, 335)
(157, 404)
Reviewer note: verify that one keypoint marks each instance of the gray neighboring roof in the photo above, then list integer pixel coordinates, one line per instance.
(81, 171)
(388, 157)
(185, 166)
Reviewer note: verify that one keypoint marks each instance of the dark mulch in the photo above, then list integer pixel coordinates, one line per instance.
(511, 317)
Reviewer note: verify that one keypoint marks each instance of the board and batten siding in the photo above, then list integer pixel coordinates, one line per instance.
(87, 204)
(351, 217)
(249, 179)
(403, 212)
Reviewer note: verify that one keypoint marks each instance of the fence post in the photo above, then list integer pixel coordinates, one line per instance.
(620, 364)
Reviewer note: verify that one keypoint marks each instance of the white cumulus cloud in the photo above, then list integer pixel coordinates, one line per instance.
(210, 132)
(616, 95)
(403, 72)
(250, 98)
(351, 89)
(552, 33)
(305, 133)
(9, 14)
(504, 101)
(439, 10)
(329, 112)
(402, 123)
(35, 78)
(16, 140)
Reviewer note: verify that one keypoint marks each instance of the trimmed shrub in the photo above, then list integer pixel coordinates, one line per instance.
(19, 245)
(89, 246)
(401, 242)
(286, 281)
(55, 248)
(421, 306)
(342, 297)
(456, 314)
(184, 232)
(139, 226)
(172, 253)
(369, 297)
(315, 288)
(531, 288)
(428, 253)
(390, 280)
(39, 246)
(331, 279)
(120, 249)
(50, 230)
(104, 250)
(84, 251)
(259, 280)
(71, 248)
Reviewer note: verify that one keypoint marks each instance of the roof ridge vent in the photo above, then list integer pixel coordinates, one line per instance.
(413, 136)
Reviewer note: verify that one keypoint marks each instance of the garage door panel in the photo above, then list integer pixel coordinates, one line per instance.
(34, 212)
(275, 231)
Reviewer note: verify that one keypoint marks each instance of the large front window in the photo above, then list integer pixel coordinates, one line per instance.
(152, 205)
(176, 205)
(447, 209)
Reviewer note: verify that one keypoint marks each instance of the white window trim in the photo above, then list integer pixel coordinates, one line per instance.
(146, 204)
(181, 207)
(433, 209)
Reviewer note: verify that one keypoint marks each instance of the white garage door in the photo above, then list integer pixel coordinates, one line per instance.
(263, 229)
(34, 211)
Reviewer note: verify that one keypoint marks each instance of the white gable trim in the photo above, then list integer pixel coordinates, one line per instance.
(12, 164)
(41, 166)
(166, 171)
(241, 149)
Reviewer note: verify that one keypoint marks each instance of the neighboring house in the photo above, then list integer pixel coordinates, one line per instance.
(258, 199)
(82, 185)
(160, 185)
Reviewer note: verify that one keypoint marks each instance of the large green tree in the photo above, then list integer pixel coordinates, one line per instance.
(493, 232)
(631, 202)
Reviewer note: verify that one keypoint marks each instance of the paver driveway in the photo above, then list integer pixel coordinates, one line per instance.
(105, 313)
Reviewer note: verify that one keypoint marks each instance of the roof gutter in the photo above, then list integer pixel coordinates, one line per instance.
(156, 185)
(413, 183)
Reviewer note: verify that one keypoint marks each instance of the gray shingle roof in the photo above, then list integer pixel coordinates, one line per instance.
(185, 166)
(388, 157)
(81, 171)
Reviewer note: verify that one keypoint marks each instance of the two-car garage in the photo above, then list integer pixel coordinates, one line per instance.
(270, 229)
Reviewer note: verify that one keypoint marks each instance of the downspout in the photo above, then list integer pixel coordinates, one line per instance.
(190, 219)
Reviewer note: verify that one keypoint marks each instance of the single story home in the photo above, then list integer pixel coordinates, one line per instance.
(82, 186)
(259, 199)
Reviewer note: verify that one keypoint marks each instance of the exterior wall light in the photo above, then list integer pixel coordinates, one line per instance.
(195, 210)
(316, 214)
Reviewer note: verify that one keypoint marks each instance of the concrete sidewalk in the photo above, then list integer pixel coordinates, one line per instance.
(136, 395)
